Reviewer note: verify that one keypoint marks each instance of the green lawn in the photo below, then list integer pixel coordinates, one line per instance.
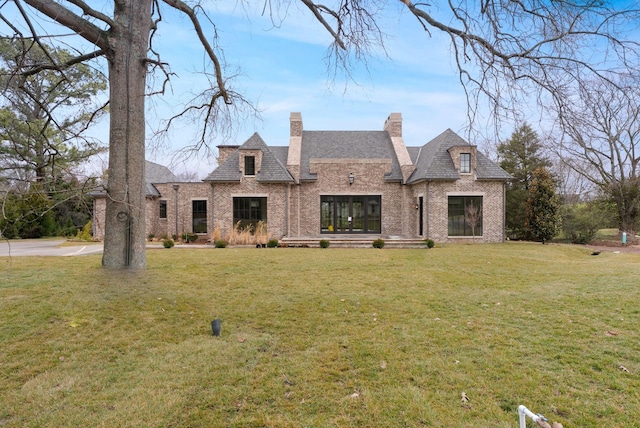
(323, 338)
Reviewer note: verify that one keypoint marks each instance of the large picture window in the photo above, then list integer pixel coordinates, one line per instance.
(199, 216)
(458, 225)
(249, 211)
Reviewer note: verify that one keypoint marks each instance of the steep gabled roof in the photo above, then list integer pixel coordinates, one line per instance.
(153, 173)
(272, 169)
(157, 174)
(486, 169)
(433, 162)
(347, 145)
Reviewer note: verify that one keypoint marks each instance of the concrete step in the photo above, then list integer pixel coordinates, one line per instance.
(353, 242)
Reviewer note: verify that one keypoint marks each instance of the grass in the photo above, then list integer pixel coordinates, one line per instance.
(319, 338)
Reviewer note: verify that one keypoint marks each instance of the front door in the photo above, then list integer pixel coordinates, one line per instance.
(350, 214)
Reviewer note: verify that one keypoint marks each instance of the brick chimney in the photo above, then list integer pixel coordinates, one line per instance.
(393, 125)
(295, 145)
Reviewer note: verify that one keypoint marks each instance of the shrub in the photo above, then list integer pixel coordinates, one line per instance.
(273, 243)
(189, 237)
(168, 243)
(378, 243)
(429, 243)
(324, 243)
(84, 234)
(580, 222)
(151, 236)
(220, 243)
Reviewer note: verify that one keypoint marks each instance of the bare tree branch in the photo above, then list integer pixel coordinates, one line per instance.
(190, 12)
(81, 26)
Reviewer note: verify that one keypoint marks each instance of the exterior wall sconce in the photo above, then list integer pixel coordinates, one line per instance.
(417, 206)
(352, 178)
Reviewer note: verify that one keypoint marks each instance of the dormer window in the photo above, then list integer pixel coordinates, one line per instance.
(465, 163)
(249, 165)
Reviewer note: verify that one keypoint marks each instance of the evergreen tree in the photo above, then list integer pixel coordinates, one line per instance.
(43, 116)
(520, 156)
(543, 207)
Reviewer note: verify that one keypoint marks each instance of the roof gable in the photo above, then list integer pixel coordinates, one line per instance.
(434, 161)
(272, 169)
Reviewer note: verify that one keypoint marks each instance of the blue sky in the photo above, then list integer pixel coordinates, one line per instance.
(280, 67)
(283, 69)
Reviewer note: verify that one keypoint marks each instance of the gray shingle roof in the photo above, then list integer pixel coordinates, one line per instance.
(272, 169)
(158, 174)
(347, 145)
(153, 173)
(433, 162)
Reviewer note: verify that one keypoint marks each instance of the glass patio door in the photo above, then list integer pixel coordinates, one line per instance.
(350, 214)
(342, 215)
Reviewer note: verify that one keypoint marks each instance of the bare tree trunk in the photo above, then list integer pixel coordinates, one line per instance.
(124, 244)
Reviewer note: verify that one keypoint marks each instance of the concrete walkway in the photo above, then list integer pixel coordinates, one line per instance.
(47, 247)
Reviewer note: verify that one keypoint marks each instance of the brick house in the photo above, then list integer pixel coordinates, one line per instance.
(328, 183)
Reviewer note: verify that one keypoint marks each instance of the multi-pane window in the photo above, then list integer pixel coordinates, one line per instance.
(249, 211)
(199, 216)
(249, 165)
(163, 209)
(465, 163)
(465, 216)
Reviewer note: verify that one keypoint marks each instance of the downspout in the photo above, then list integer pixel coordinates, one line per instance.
(213, 217)
(176, 187)
(298, 209)
(428, 214)
(504, 211)
(286, 207)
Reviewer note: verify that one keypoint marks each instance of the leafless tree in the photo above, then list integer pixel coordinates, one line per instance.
(601, 142)
(505, 51)
(472, 216)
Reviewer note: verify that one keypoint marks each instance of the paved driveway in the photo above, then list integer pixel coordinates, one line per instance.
(47, 247)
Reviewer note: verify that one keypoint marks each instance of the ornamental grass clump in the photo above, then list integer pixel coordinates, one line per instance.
(261, 236)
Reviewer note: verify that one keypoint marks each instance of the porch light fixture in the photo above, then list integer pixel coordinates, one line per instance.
(417, 206)
(352, 178)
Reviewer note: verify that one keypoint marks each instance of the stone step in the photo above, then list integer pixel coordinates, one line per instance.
(359, 242)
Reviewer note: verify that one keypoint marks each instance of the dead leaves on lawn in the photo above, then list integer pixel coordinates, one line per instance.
(465, 400)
